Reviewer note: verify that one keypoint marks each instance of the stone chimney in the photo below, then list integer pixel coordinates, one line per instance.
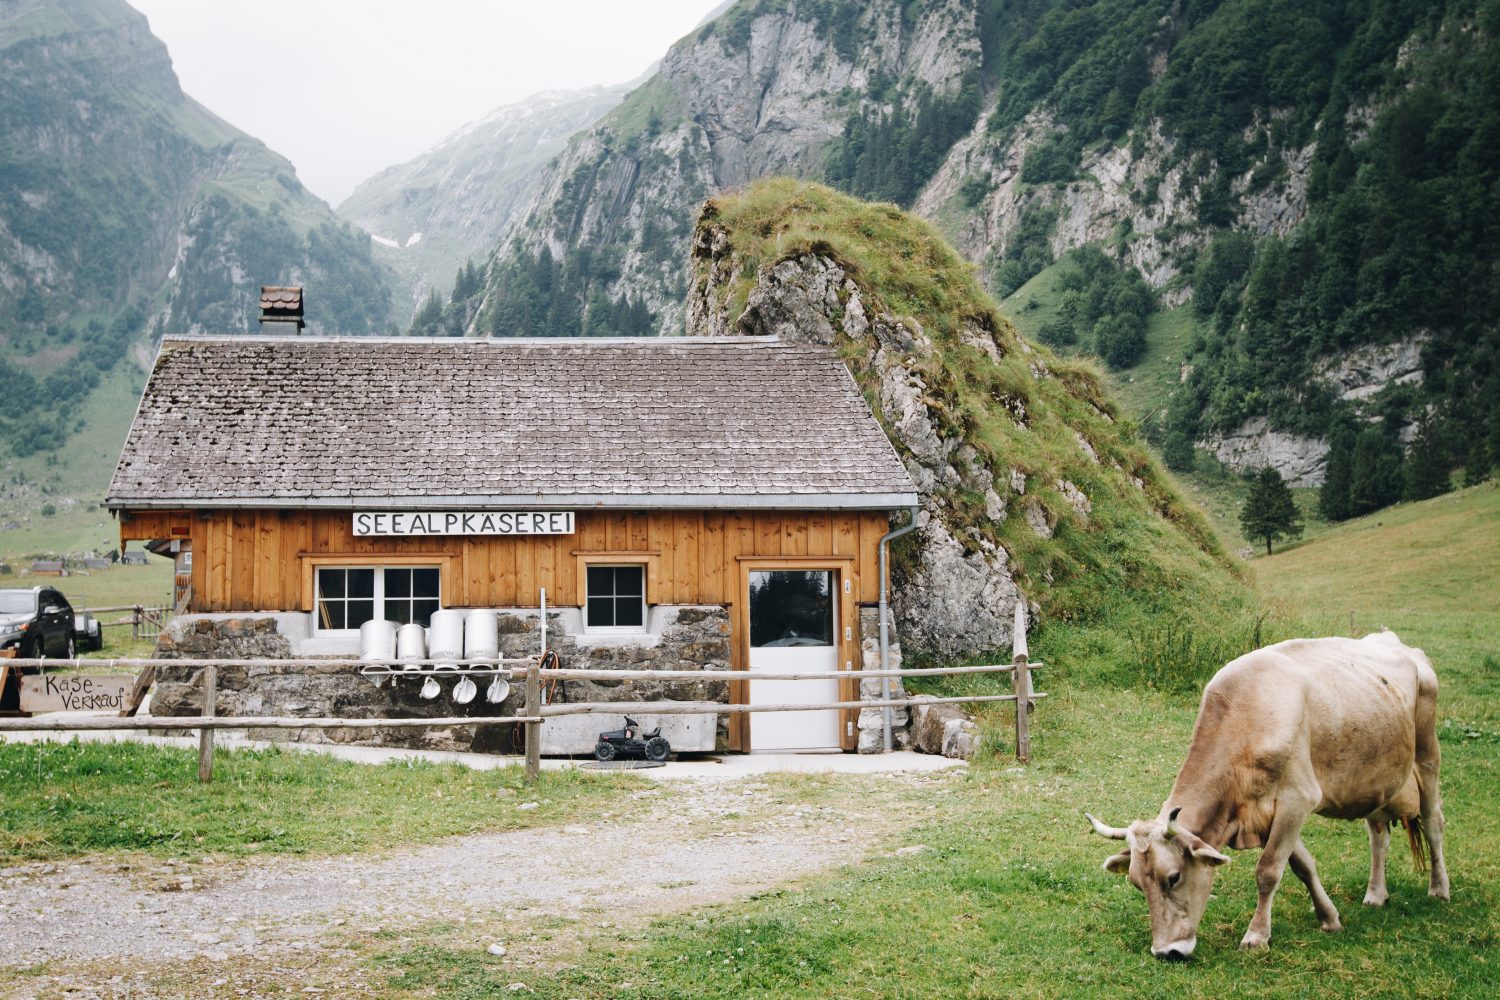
(281, 310)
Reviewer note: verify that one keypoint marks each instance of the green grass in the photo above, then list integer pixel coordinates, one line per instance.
(1142, 392)
(79, 473)
(653, 103)
(1142, 389)
(1429, 571)
(1007, 899)
(116, 586)
(63, 800)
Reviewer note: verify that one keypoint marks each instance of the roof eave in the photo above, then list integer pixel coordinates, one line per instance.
(609, 501)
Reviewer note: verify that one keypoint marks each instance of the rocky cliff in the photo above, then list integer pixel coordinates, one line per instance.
(1031, 486)
(764, 89)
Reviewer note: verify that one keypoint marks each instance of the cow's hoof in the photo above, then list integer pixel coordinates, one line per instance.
(1373, 900)
(1438, 891)
(1251, 942)
(1332, 927)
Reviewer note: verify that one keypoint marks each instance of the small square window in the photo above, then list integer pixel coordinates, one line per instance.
(345, 598)
(616, 598)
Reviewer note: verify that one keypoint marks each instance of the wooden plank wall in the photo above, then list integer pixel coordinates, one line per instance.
(248, 560)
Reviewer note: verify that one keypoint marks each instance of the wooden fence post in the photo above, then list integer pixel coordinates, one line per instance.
(1021, 675)
(206, 736)
(533, 729)
(135, 621)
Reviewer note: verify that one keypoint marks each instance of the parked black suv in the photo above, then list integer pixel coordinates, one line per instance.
(37, 622)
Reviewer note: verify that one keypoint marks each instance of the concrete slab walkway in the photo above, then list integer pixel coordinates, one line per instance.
(727, 767)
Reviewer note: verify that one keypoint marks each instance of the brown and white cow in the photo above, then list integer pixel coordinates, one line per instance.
(1339, 727)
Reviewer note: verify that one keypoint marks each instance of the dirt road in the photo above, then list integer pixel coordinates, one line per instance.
(113, 928)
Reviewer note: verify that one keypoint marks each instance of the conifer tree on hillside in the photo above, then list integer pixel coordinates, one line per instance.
(1269, 512)
(1333, 500)
(1426, 470)
(1376, 476)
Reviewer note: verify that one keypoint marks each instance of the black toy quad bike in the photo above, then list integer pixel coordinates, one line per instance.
(631, 742)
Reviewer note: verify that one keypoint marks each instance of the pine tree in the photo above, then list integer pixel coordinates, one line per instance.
(1333, 500)
(1269, 512)
(1376, 477)
(1426, 472)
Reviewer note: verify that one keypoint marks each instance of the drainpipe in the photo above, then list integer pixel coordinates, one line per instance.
(885, 613)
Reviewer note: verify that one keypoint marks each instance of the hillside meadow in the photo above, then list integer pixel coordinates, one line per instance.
(999, 891)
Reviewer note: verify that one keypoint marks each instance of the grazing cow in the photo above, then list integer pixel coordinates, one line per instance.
(1339, 727)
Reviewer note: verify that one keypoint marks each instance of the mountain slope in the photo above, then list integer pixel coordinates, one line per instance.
(126, 208)
(436, 212)
(116, 190)
(1312, 179)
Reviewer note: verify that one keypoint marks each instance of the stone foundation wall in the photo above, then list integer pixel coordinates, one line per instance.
(685, 638)
(871, 725)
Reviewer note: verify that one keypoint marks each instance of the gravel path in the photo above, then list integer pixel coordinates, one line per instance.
(674, 848)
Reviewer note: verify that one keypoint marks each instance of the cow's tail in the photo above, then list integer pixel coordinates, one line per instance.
(1413, 826)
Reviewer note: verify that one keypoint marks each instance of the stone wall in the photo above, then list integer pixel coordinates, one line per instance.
(682, 638)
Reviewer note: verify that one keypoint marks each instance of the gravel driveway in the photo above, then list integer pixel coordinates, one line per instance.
(96, 928)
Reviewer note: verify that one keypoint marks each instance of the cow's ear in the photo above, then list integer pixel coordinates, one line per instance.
(1209, 856)
(1119, 864)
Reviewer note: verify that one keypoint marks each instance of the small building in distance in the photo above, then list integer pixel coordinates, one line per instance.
(684, 503)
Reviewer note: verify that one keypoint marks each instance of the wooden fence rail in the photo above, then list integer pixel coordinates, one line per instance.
(521, 668)
(145, 621)
(534, 712)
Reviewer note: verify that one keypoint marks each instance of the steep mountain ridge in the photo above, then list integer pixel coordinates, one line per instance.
(763, 89)
(117, 189)
(434, 213)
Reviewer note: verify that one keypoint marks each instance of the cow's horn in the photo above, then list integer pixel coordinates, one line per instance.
(1112, 832)
(1173, 830)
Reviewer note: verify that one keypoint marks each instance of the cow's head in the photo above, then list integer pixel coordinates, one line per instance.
(1175, 869)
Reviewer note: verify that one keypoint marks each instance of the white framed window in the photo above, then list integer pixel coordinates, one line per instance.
(615, 599)
(348, 596)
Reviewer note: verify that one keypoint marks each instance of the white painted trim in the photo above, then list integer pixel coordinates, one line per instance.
(606, 630)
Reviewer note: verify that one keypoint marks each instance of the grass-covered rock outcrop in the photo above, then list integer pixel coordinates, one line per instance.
(1033, 484)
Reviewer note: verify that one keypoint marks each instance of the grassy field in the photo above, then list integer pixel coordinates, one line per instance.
(1428, 571)
(67, 799)
(1006, 897)
(1141, 389)
(73, 480)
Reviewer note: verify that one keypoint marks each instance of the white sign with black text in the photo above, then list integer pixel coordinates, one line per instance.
(438, 522)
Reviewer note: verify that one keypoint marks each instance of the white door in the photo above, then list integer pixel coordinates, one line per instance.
(793, 615)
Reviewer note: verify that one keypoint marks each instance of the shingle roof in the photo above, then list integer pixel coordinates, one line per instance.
(706, 422)
(281, 301)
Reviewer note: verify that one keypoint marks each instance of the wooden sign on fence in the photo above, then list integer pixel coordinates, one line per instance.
(75, 692)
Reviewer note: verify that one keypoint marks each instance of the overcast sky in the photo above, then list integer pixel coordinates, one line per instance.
(344, 88)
